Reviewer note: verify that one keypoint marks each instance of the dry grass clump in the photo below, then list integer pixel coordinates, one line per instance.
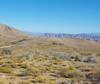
(5, 69)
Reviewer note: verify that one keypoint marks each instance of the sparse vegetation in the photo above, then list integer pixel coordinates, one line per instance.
(50, 61)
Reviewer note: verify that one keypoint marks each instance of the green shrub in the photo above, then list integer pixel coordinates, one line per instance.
(51, 82)
(41, 79)
(5, 69)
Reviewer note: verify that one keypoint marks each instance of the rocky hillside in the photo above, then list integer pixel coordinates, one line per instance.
(9, 34)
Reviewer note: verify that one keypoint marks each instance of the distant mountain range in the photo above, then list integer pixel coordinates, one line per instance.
(86, 36)
(9, 32)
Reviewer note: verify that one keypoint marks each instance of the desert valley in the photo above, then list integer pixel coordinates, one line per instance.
(26, 59)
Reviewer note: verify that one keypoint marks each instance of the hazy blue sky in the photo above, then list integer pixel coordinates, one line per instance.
(67, 16)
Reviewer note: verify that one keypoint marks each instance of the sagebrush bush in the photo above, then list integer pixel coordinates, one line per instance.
(5, 69)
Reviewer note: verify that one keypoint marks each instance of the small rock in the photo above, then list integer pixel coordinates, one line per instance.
(2, 75)
(89, 59)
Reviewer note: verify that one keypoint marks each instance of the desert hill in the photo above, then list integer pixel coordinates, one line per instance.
(9, 34)
(9, 31)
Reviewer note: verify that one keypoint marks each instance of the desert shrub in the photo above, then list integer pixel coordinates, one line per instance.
(71, 68)
(51, 82)
(70, 72)
(35, 70)
(60, 55)
(85, 53)
(41, 79)
(21, 72)
(98, 54)
(23, 66)
(7, 51)
(23, 82)
(1, 82)
(65, 81)
(1, 62)
(55, 62)
(13, 65)
(94, 76)
(5, 69)
(49, 68)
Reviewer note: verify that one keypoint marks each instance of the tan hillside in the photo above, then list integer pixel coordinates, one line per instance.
(10, 32)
